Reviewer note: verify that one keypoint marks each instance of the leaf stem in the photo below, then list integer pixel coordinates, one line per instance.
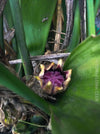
(36, 125)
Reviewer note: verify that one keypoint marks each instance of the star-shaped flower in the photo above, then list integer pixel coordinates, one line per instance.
(53, 79)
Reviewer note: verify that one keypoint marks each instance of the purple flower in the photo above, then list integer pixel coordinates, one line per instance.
(53, 79)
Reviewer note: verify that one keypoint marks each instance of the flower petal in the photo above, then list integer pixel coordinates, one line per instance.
(68, 73)
(42, 70)
(48, 87)
(66, 82)
(60, 63)
(57, 90)
(40, 80)
(50, 66)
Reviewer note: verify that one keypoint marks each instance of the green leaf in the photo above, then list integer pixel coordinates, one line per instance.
(76, 30)
(8, 16)
(75, 115)
(34, 13)
(11, 82)
(77, 110)
(96, 7)
(90, 17)
(85, 65)
(1, 33)
(20, 37)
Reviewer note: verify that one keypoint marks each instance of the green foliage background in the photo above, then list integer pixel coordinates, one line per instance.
(77, 110)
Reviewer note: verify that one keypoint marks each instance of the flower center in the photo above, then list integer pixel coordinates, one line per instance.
(55, 77)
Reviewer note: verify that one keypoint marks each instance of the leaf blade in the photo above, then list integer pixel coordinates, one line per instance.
(90, 17)
(36, 30)
(20, 37)
(83, 61)
(11, 82)
(77, 110)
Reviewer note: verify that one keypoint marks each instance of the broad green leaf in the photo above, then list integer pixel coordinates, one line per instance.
(85, 65)
(75, 115)
(11, 82)
(37, 16)
(77, 110)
